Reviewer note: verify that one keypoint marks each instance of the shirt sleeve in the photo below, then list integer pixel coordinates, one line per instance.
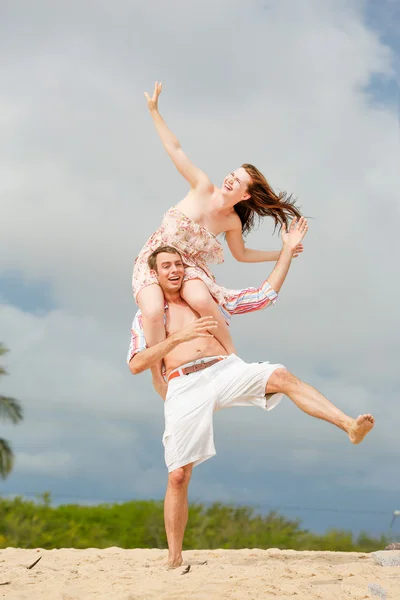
(251, 299)
(138, 342)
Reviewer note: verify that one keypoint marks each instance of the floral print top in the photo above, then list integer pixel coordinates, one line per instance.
(197, 245)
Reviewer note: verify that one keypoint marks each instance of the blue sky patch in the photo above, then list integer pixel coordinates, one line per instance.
(34, 296)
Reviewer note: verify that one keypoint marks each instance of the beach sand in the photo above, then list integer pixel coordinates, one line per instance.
(116, 574)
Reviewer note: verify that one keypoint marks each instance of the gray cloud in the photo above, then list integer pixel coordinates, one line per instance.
(85, 181)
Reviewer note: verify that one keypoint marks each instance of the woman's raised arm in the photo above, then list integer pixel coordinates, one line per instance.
(186, 168)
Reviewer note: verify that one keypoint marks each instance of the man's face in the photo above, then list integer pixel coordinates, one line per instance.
(170, 271)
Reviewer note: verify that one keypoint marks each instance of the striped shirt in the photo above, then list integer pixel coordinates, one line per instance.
(240, 302)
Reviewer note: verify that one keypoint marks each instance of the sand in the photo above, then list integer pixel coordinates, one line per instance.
(116, 574)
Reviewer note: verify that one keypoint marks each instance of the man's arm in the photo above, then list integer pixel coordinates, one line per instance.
(252, 299)
(145, 358)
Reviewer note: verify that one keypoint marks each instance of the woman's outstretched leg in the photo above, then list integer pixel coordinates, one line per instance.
(151, 302)
(196, 294)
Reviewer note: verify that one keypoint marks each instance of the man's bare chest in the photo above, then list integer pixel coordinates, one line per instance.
(177, 317)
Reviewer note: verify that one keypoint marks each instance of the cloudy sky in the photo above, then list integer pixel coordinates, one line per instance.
(309, 92)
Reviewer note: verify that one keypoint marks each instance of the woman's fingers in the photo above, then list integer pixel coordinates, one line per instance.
(157, 89)
(301, 225)
(156, 93)
(304, 225)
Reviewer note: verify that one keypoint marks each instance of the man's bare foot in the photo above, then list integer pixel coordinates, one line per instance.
(174, 563)
(361, 426)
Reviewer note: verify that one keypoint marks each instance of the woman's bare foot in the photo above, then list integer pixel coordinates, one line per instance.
(361, 426)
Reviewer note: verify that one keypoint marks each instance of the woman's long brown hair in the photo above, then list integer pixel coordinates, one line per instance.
(264, 202)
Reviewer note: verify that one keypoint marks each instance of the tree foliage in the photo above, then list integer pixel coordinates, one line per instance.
(10, 410)
(140, 524)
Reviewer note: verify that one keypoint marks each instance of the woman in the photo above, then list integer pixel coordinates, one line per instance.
(192, 226)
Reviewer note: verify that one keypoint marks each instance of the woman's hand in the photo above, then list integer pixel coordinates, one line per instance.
(152, 102)
(292, 237)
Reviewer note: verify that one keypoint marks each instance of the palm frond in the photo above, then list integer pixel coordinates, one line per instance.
(3, 349)
(10, 409)
(6, 458)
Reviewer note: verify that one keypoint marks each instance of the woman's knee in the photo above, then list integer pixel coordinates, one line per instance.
(151, 303)
(196, 294)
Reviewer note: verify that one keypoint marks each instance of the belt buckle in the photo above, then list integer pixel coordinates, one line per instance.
(198, 366)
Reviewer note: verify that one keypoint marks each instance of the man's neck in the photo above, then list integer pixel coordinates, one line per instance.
(174, 297)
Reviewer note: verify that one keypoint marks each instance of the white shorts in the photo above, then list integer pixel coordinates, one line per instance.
(192, 399)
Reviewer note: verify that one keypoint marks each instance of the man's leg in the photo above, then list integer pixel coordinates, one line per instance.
(176, 512)
(310, 401)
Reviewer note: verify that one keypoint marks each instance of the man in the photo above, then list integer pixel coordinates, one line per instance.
(202, 379)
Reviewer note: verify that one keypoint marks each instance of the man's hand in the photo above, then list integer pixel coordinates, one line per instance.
(297, 230)
(198, 328)
(150, 357)
(152, 102)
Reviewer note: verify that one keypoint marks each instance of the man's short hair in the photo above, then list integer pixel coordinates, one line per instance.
(152, 260)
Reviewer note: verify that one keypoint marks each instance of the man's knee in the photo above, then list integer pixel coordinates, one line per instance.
(281, 380)
(180, 477)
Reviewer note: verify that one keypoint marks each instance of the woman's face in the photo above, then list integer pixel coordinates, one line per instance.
(235, 184)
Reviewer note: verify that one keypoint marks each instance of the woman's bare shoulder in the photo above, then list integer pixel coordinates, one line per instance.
(233, 222)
